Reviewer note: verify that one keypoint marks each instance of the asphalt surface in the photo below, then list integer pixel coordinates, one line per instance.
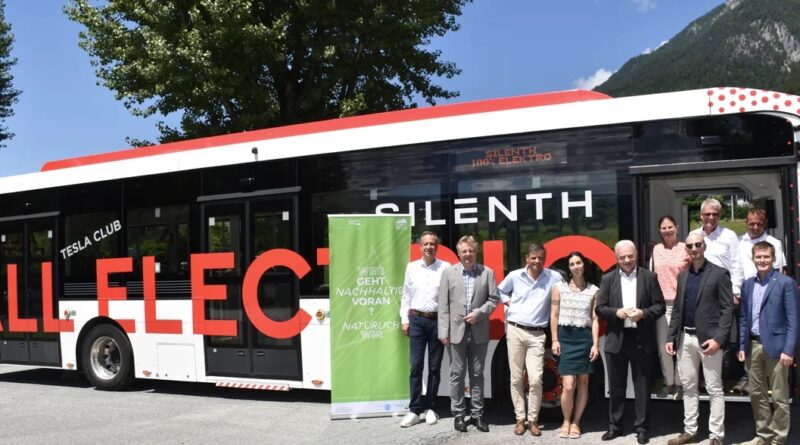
(46, 406)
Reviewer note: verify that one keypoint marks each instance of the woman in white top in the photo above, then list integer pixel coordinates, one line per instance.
(575, 337)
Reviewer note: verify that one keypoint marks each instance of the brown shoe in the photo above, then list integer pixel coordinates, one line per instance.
(519, 428)
(682, 439)
(534, 429)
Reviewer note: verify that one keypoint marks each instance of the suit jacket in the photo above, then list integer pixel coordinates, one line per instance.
(777, 321)
(648, 298)
(713, 314)
(453, 304)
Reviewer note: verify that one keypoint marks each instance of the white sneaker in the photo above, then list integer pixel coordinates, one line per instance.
(410, 419)
(431, 417)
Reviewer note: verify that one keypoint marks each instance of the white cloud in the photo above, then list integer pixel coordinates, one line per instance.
(649, 50)
(587, 83)
(644, 5)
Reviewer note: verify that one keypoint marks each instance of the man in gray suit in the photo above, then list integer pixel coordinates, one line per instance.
(467, 296)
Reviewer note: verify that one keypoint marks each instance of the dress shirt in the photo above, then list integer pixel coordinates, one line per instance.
(529, 299)
(628, 284)
(691, 293)
(469, 277)
(421, 287)
(722, 249)
(759, 289)
(746, 253)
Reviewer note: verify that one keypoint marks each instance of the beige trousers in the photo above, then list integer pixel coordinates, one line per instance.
(767, 373)
(690, 356)
(668, 365)
(526, 350)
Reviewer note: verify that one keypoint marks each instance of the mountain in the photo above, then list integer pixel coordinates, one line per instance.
(750, 43)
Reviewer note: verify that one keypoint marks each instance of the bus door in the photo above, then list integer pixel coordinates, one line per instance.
(24, 245)
(248, 228)
(665, 191)
(680, 196)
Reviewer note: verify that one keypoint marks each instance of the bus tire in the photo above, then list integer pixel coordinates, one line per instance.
(501, 378)
(107, 358)
(501, 392)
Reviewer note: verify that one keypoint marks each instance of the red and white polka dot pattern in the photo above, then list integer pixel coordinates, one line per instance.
(723, 100)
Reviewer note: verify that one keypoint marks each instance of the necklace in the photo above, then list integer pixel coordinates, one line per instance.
(577, 288)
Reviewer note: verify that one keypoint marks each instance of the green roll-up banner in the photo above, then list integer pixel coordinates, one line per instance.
(369, 353)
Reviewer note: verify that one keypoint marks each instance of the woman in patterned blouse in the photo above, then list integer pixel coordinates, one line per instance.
(575, 334)
(669, 259)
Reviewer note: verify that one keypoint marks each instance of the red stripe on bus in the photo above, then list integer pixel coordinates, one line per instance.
(389, 117)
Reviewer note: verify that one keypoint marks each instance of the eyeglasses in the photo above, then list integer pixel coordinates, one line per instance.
(711, 214)
(696, 245)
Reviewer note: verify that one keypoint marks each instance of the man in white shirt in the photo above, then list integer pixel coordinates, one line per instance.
(722, 245)
(756, 232)
(418, 318)
(630, 301)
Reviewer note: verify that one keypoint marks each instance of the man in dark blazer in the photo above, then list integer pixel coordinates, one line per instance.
(467, 296)
(768, 329)
(699, 328)
(630, 301)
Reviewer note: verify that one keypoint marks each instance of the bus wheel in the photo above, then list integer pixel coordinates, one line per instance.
(107, 358)
(551, 384)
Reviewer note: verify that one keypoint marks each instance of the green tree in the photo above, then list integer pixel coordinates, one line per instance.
(8, 95)
(237, 65)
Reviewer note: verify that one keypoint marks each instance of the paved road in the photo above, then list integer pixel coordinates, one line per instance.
(45, 406)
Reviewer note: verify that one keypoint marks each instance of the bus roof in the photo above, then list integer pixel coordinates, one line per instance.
(523, 114)
(390, 117)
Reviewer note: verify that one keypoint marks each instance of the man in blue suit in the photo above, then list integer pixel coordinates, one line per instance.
(767, 338)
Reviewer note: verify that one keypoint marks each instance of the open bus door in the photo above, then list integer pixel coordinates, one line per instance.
(25, 243)
(677, 190)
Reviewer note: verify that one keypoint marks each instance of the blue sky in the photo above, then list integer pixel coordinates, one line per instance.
(504, 48)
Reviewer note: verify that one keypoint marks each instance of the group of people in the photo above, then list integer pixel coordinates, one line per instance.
(684, 309)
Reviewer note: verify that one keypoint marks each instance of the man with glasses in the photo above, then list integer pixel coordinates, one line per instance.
(722, 249)
(467, 297)
(722, 244)
(699, 328)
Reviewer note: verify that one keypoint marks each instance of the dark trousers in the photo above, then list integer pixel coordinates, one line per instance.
(642, 376)
(422, 333)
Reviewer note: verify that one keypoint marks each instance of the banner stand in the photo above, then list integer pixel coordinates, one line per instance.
(369, 353)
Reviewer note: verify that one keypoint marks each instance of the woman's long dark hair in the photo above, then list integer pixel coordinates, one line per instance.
(583, 259)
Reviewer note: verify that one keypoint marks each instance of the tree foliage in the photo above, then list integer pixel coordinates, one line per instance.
(8, 95)
(237, 65)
